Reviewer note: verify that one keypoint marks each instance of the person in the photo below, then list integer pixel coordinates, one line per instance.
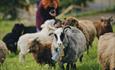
(46, 9)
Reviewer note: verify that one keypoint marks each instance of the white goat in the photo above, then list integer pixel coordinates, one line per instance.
(26, 39)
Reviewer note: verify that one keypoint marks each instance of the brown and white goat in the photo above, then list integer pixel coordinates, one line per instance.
(41, 50)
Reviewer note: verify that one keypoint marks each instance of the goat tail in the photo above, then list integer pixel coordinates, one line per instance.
(112, 61)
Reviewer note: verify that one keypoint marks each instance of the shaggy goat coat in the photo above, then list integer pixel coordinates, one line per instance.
(103, 26)
(106, 51)
(25, 40)
(88, 29)
(3, 51)
(41, 50)
(75, 45)
(86, 26)
(74, 42)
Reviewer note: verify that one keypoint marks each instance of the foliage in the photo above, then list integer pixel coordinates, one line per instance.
(9, 7)
(76, 2)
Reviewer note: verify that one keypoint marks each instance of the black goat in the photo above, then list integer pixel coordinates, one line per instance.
(12, 37)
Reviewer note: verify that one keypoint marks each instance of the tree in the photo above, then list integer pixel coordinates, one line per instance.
(9, 7)
(75, 2)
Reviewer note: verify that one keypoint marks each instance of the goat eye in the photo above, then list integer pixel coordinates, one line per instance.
(62, 36)
(56, 49)
(55, 36)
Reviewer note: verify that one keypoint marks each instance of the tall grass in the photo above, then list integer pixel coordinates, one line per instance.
(90, 61)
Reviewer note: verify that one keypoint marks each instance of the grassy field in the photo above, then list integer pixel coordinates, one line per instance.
(90, 61)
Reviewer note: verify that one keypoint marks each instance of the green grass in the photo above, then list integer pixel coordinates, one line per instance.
(5, 27)
(90, 61)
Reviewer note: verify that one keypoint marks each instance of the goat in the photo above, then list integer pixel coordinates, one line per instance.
(12, 37)
(73, 43)
(103, 26)
(86, 26)
(41, 50)
(106, 51)
(24, 40)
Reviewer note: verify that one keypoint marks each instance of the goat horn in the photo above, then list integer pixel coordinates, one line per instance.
(66, 28)
(111, 18)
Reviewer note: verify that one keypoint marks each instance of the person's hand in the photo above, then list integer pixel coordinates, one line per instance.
(52, 13)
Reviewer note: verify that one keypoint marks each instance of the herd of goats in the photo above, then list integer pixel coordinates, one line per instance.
(62, 42)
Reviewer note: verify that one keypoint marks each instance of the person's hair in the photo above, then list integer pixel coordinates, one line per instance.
(47, 3)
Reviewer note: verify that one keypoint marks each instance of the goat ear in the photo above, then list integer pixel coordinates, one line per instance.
(75, 22)
(102, 19)
(51, 34)
(51, 27)
(43, 25)
(110, 18)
